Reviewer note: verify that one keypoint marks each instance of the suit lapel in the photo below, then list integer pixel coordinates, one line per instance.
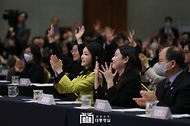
(174, 85)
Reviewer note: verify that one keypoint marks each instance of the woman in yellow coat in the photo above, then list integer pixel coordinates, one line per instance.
(84, 82)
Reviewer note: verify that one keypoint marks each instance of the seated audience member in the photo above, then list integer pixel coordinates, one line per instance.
(58, 32)
(174, 91)
(44, 49)
(186, 51)
(184, 36)
(148, 74)
(84, 82)
(32, 68)
(122, 86)
(71, 65)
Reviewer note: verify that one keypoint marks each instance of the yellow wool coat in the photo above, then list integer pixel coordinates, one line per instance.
(83, 84)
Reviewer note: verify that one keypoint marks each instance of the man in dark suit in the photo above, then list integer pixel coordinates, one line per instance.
(19, 33)
(168, 29)
(174, 91)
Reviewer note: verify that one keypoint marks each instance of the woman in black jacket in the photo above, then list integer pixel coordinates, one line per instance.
(124, 84)
(32, 68)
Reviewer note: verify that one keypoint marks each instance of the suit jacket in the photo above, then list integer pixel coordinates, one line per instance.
(22, 35)
(34, 72)
(175, 31)
(81, 85)
(123, 96)
(177, 96)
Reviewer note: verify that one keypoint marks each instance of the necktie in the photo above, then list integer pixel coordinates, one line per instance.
(167, 84)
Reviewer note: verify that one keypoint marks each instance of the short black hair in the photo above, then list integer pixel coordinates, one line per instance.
(168, 18)
(187, 42)
(176, 54)
(186, 33)
(23, 12)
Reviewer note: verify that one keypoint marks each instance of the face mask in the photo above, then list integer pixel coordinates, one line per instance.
(28, 57)
(160, 69)
(154, 45)
(168, 24)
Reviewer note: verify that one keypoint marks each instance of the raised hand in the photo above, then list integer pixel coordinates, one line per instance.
(51, 34)
(108, 75)
(97, 26)
(145, 44)
(144, 60)
(56, 64)
(131, 38)
(109, 33)
(96, 71)
(76, 23)
(79, 33)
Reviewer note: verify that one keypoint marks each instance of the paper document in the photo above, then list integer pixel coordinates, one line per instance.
(84, 108)
(68, 102)
(129, 110)
(4, 81)
(42, 85)
(180, 115)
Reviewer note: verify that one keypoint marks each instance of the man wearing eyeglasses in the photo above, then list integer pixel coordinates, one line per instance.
(174, 91)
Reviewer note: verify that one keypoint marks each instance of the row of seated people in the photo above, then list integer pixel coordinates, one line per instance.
(123, 86)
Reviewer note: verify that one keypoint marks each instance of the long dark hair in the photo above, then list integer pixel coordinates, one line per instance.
(96, 50)
(133, 66)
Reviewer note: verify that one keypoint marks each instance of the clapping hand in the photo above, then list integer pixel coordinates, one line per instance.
(144, 61)
(108, 75)
(146, 96)
(56, 64)
(19, 66)
(96, 71)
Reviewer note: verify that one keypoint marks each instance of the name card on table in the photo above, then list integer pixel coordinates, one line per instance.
(46, 99)
(161, 113)
(102, 105)
(24, 81)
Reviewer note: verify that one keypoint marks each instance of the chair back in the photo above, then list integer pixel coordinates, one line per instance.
(11, 61)
(10, 73)
(47, 75)
(1, 59)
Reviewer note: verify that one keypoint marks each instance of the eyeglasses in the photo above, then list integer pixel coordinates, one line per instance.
(74, 51)
(186, 52)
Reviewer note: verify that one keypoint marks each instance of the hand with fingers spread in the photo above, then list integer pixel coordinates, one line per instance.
(79, 33)
(145, 44)
(109, 35)
(51, 34)
(131, 38)
(107, 72)
(97, 26)
(96, 80)
(144, 60)
(56, 64)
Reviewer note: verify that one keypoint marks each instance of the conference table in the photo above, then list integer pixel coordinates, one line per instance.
(22, 111)
(17, 111)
